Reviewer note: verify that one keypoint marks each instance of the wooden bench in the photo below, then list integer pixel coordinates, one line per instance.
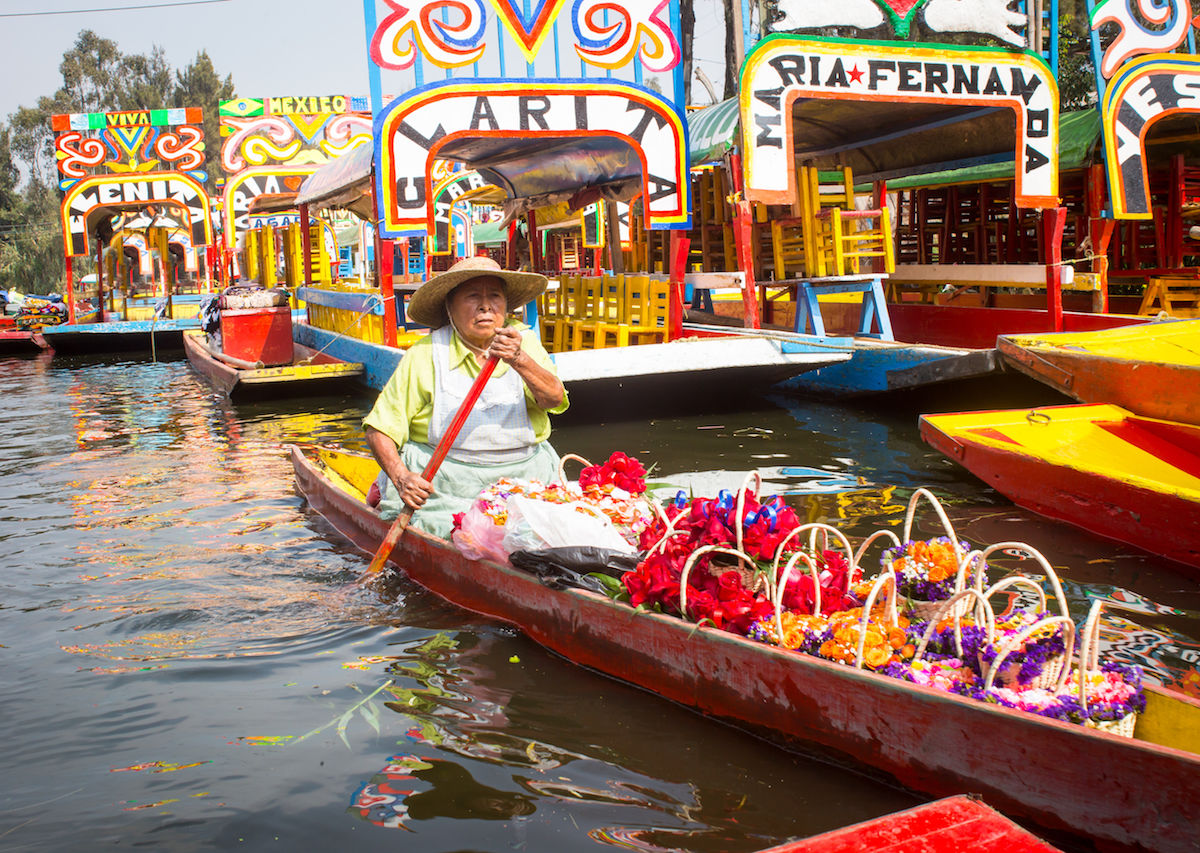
(1179, 296)
(874, 307)
(930, 278)
(698, 287)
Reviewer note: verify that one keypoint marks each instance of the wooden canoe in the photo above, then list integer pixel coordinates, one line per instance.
(952, 825)
(1129, 478)
(1151, 369)
(22, 342)
(1127, 794)
(310, 373)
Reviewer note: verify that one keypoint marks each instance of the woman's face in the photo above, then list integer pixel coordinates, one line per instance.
(477, 308)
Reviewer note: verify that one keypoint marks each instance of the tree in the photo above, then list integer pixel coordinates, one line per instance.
(199, 85)
(146, 82)
(96, 77)
(92, 73)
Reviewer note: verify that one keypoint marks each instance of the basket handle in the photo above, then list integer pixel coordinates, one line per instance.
(691, 561)
(870, 540)
(1089, 650)
(1051, 575)
(562, 463)
(777, 595)
(981, 608)
(741, 502)
(1018, 580)
(941, 513)
(1011, 644)
(880, 582)
(798, 531)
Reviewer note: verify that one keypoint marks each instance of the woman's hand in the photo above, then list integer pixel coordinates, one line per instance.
(506, 345)
(413, 489)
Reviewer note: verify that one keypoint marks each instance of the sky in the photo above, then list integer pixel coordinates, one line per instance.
(271, 47)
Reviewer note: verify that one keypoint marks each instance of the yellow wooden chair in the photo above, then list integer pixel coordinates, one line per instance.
(835, 237)
(586, 310)
(787, 247)
(611, 312)
(548, 314)
(568, 300)
(648, 303)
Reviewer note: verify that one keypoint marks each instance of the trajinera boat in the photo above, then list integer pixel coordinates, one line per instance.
(1149, 369)
(309, 373)
(1132, 479)
(1124, 793)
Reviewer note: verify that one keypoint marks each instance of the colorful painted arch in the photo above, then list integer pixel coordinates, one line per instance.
(894, 109)
(91, 199)
(1141, 94)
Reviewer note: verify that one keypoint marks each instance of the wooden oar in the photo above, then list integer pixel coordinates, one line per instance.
(460, 417)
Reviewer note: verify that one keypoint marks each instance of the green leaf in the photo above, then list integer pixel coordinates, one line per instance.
(370, 713)
(343, 723)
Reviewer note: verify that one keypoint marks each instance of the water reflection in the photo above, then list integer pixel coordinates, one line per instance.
(178, 625)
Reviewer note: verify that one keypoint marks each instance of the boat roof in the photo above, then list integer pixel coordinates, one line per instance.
(273, 202)
(344, 183)
(532, 173)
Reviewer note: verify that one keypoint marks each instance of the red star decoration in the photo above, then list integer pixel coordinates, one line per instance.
(856, 75)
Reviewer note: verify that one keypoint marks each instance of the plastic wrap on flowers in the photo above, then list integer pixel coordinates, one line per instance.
(605, 514)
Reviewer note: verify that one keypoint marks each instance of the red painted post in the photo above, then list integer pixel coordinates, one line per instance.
(1053, 221)
(385, 252)
(1102, 233)
(100, 275)
(535, 243)
(743, 242)
(71, 294)
(681, 244)
(306, 245)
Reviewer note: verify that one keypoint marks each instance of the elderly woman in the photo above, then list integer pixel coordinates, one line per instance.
(508, 427)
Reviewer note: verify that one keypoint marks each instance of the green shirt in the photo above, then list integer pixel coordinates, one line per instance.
(405, 407)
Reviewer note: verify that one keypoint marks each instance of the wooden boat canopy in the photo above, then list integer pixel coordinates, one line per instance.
(344, 183)
(273, 203)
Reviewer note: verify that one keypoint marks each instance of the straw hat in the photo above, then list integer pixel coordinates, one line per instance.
(428, 303)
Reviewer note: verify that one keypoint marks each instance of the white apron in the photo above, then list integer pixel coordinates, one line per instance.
(498, 429)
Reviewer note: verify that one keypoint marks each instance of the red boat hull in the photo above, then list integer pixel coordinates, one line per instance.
(1124, 794)
(1161, 523)
(947, 826)
(1149, 388)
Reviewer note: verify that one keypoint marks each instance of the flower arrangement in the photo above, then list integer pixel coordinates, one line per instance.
(928, 570)
(620, 471)
(1037, 662)
(950, 675)
(836, 636)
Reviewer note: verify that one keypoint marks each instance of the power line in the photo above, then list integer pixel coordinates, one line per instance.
(111, 8)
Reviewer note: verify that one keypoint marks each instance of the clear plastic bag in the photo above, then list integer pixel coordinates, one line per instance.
(533, 525)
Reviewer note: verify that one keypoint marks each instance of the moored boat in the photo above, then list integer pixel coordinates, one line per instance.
(310, 372)
(1149, 369)
(1129, 478)
(1127, 794)
(945, 826)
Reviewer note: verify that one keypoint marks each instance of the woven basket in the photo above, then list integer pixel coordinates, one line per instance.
(1047, 679)
(1123, 727)
(926, 611)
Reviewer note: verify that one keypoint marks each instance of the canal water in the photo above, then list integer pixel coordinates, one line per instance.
(188, 664)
